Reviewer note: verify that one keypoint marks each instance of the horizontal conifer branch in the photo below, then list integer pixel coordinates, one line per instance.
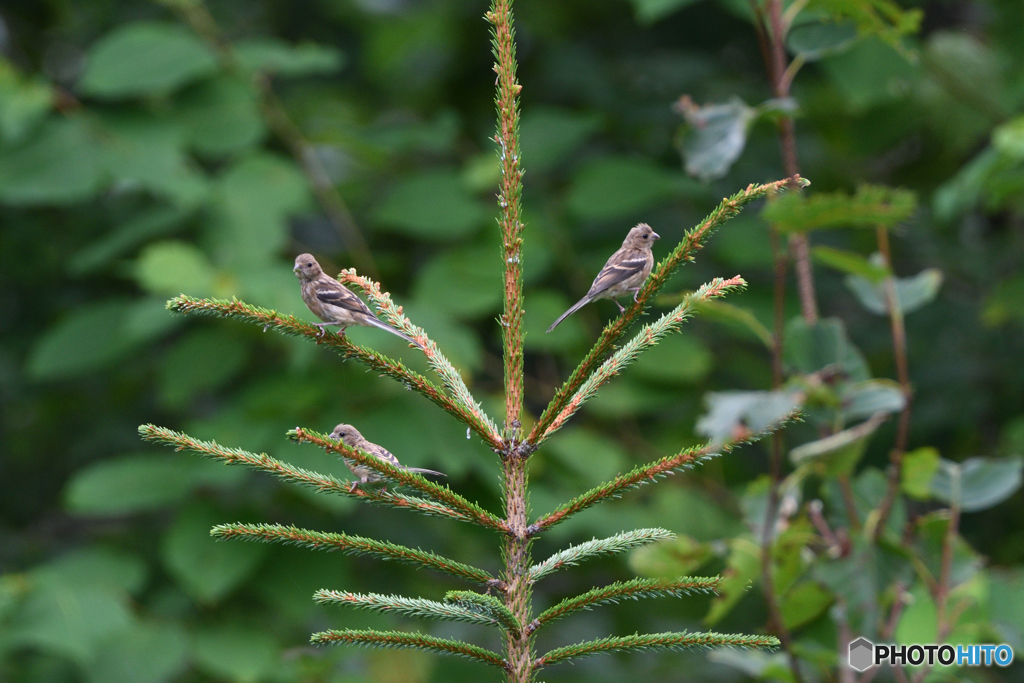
(656, 641)
(488, 605)
(619, 543)
(648, 336)
(692, 242)
(631, 590)
(638, 476)
(650, 473)
(297, 475)
(410, 607)
(450, 377)
(403, 476)
(291, 325)
(403, 640)
(350, 545)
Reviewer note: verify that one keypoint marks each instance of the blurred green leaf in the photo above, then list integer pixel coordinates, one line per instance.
(94, 567)
(650, 11)
(148, 652)
(716, 137)
(678, 359)
(68, 621)
(871, 73)
(730, 313)
(1008, 139)
(867, 398)
(207, 569)
(968, 69)
(818, 39)
(145, 151)
(882, 18)
(236, 653)
(145, 225)
(138, 483)
(734, 415)
(839, 453)
(58, 165)
(870, 207)
(911, 292)
(432, 205)
(1005, 302)
(203, 361)
(465, 282)
(932, 537)
(543, 308)
(592, 457)
(279, 58)
(549, 135)
(24, 101)
(850, 263)
(96, 335)
(919, 621)
(613, 188)
(741, 568)
(803, 603)
(255, 197)
(810, 348)
(628, 396)
(173, 267)
(220, 116)
(145, 58)
(918, 471)
(981, 482)
(670, 559)
(1006, 604)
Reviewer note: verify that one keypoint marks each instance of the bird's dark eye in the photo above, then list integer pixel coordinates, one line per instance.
(310, 265)
(645, 236)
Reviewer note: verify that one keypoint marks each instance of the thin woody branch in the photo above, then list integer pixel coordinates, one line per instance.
(648, 336)
(297, 475)
(403, 476)
(692, 242)
(289, 324)
(410, 641)
(657, 641)
(350, 545)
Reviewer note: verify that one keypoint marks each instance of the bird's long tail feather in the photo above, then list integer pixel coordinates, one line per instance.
(575, 307)
(420, 470)
(376, 322)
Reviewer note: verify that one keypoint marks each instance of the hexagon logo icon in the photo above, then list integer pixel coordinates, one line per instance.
(861, 654)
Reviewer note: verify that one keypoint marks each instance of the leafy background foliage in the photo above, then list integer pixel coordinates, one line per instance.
(137, 163)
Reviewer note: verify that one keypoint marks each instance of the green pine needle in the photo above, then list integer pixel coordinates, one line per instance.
(350, 545)
(412, 641)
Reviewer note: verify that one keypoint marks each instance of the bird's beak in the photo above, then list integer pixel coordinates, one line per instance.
(656, 235)
(295, 270)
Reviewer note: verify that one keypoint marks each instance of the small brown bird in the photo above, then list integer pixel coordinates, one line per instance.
(624, 272)
(333, 302)
(353, 439)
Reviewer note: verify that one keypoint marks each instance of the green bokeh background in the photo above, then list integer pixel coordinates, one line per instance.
(118, 190)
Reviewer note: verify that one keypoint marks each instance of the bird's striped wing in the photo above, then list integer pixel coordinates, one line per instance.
(384, 454)
(336, 294)
(620, 267)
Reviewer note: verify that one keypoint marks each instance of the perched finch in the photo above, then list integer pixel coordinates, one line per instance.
(624, 272)
(353, 439)
(333, 302)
